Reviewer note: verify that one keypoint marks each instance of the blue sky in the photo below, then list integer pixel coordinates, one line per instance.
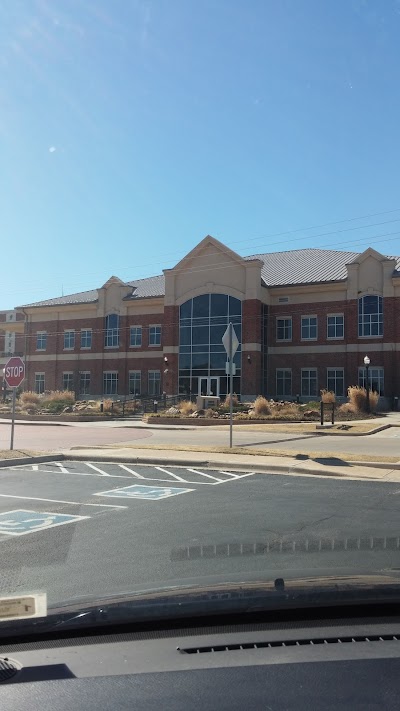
(131, 129)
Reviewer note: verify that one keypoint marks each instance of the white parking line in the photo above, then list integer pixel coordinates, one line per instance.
(127, 469)
(60, 501)
(165, 471)
(97, 469)
(63, 469)
(196, 471)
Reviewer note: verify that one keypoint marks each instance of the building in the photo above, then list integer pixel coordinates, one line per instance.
(305, 320)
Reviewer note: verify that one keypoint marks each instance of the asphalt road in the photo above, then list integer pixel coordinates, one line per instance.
(45, 437)
(179, 524)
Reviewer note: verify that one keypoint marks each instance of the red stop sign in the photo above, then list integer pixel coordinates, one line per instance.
(14, 372)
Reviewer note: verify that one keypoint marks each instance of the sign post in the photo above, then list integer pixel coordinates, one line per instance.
(231, 343)
(14, 374)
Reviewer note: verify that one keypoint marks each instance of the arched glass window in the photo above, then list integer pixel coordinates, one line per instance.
(202, 357)
(111, 334)
(370, 315)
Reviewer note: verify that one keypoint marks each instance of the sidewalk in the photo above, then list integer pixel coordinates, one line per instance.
(237, 462)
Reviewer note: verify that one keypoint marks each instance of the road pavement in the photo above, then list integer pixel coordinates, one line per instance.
(49, 437)
(90, 528)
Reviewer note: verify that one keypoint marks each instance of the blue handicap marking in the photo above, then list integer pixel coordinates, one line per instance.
(21, 521)
(152, 493)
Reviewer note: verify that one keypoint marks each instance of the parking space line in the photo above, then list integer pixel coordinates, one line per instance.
(236, 476)
(127, 469)
(61, 467)
(196, 471)
(60, 501)
(97, 469)
(175, 476)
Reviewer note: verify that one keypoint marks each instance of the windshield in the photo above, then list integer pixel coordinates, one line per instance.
(199, 298)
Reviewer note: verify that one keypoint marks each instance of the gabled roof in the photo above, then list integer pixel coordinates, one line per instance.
(304, 266)
(298, 266)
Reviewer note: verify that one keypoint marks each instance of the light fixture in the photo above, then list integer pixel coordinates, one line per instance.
(366, 360)
(165, 359)
(249, 359)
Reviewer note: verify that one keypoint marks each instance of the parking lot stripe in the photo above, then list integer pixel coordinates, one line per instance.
(175, 476)
(127, 469)
(61, 467)
(196, 471)
(60, 501)
(235, 476)
(97, 469)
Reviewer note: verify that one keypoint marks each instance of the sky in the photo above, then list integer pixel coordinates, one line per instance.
(131, 129)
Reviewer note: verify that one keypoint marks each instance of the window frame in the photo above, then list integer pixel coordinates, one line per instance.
(42, 381)
(309, 338)
(277, 327)
(361, 316)
(81, 373)
(71, 379)
(41, 334)
(68, 332)
(112, 333)
(335, 316)
(154, 326)
(116, 381)
(309, 370)
(139, 331)
(154, 372)
(336, 369)
(90, 332)
(139, 391)
(371, 369)
(284, 371)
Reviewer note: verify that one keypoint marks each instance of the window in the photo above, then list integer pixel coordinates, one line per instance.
(41, 341)
(135, 382)
(135, 336)
(86, 338)
(308, 328)
(154, 335)
(39, 383)
(335, 326)
(309, 382)
(283, 382)
(111, 337)
(335, 381)
(370, 316)
(154, 382)
(69, 340)
(375, 377)
(284, 329)
(68, 381)
(110, 382)
(84, 382)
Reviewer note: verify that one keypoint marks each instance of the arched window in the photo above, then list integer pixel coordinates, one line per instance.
(111, 334)
(370, 315)
(202, 357)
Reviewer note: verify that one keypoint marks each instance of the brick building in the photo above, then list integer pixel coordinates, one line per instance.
(305, 320)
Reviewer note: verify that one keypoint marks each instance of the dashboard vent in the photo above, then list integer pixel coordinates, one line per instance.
(290, 643)
(8, 669)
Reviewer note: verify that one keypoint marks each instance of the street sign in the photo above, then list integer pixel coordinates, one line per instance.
(235, 341)
(14, 372)
(227, 366)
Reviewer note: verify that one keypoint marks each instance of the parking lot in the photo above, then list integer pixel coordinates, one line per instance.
(89, 528)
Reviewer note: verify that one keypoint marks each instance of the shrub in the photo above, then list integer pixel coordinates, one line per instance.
(57, 400)
(227, 402)
(328, 396)
(186, 407)
(261, 407)
(358, 398)
(346, 409)
(29, 398)
(209, 412)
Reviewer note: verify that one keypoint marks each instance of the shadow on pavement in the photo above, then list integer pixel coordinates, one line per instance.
(326, 461)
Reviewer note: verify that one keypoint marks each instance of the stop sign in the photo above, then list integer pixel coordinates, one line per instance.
(14, 372)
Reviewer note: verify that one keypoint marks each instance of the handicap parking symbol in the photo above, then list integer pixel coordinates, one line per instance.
(151, 493)
(22, 521)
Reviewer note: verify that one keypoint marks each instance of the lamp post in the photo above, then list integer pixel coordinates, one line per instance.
(366, 363)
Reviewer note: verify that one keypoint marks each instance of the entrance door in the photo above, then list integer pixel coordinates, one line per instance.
(209, 386)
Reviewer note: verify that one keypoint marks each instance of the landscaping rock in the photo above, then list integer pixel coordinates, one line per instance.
(172, 411)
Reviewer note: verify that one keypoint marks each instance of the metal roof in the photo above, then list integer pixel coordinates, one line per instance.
(298, 266)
